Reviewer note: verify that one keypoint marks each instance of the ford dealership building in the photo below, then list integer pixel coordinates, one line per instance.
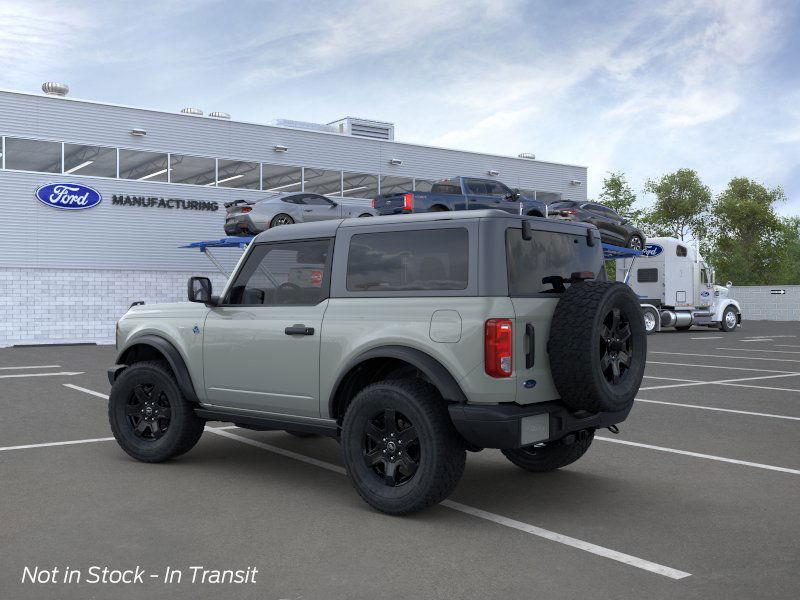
(97, 199)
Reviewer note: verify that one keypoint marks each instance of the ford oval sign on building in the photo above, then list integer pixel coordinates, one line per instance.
(652, 250)
(68, 196)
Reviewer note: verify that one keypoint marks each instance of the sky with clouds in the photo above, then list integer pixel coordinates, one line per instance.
(640, 87)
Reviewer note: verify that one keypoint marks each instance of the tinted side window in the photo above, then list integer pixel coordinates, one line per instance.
(647, 275)
(284, 273)
(434, 259)
(476, 186)
(549, 254)
(444, 187)
(315, 200)
(294, 199)
(495, 188)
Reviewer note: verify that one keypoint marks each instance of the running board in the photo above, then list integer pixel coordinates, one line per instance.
(325, 427)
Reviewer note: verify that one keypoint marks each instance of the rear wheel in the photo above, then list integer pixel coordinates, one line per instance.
(549, 456)
(281, 219)
(729, 320)
(400, 448)
(150, 418)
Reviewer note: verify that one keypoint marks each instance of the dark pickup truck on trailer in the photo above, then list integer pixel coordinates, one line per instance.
(461, 193)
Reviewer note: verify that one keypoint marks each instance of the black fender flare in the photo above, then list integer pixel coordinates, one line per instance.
(438, 375)
(169, 352)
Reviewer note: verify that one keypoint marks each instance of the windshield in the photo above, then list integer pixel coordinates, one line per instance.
(544, 264)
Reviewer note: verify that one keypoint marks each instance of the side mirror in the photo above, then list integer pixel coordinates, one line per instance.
(199, 289)
(334, 204)
(729, 285)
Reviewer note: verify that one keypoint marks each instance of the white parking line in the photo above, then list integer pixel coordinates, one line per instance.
(700, 455)
(760, 387)
(708, 337)
(657, 362)
(31, 367)
(482, 514)
(49, 444)
(724, 356)
(82, 389)
(634, 561)
(667, 379)
(758, 340)
(787, 346)
(758, 350)
(727, 410)
(15, 375)
(719, 381)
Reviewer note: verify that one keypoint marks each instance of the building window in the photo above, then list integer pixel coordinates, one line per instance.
(280, 178)
(97, 161)
(431, 259)
(360, 185)
(33, 155)
(237, 174)
(144, 166)
(423, 185)
(396, 185)
(194, 170)
(321, 181)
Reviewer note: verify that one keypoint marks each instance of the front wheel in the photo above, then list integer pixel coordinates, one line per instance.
(651, 317)
(635, 243)
(729, 320)
(150, 418)
(400, 448)
(540, 458)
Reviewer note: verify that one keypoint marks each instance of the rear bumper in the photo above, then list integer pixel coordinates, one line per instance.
(508, 426)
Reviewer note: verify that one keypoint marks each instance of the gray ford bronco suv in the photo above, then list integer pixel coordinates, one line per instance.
(411, 339)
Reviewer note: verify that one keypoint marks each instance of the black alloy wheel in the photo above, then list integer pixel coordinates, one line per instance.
(391, 447)
(148, 411)
(282, 219)
(615, 346)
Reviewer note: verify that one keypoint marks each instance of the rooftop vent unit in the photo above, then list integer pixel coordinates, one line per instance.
(219, 115)
(527, 155)
(51, 88)
(376, 130)
(303, 125)
(192, 111)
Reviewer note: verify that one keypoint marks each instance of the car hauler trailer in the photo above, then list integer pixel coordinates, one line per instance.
(677, 289)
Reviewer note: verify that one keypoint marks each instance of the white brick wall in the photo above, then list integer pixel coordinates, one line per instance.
(759, 304)
(63, 306)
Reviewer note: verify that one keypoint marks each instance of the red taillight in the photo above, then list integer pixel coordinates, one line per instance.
(246, 209)
(498, 348)
(408, 202)
(372, 202)
(569, 212)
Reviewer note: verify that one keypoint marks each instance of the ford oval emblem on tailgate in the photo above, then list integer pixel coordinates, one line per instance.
(68, 196)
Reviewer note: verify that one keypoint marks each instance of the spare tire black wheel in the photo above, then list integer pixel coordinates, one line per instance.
(597, 346)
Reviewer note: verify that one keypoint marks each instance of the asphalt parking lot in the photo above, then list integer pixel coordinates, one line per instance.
(697, 497)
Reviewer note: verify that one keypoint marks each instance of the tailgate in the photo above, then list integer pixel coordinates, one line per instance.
(392, 204)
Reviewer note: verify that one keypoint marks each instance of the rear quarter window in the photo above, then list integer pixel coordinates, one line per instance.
(430, 259)
(548, 254)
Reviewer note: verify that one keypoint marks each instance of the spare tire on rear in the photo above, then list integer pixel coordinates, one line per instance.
(597, 346)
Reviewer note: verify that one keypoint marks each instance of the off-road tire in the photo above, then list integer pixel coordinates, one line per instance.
(184, 428)
(552, 455)
(576, 346)
(723, 326)
(441, 450)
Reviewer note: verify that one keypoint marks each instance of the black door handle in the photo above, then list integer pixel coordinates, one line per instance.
(299, 329)
(530, 345)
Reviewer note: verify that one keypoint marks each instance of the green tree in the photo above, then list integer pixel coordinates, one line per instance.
(750, 243)
(617, 194)
(681, 205)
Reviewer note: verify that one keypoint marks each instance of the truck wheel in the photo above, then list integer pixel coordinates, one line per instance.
(729, 320)
(400, 448)
(551, 455)
(150, 418)
(597, 346)
(650, 320)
